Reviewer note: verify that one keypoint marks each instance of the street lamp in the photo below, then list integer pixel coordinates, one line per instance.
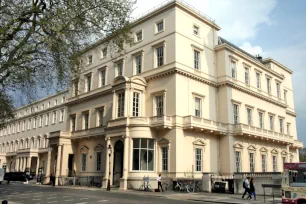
(109, 150)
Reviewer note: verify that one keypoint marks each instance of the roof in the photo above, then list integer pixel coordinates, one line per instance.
(223, 41)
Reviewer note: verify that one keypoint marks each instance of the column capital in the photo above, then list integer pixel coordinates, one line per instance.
(125, 137)
(107, 138)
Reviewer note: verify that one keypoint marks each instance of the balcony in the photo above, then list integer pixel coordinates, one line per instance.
(161, 121)
(11, 154)
(88, 133)
(298, 144)
(128, 121)
(243, 129)
(202, 124)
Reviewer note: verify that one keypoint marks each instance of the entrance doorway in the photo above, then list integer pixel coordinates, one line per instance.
(118, 162)
(70, 165)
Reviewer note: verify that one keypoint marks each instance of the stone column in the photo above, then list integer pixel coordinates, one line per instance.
(37, 165)
(114, 106)
(29, 163)
(47, 170)
(106, 172)
(17, 164)
(123, 181)
(58, 163)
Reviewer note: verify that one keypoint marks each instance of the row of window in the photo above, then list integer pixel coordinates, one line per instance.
(33, 123)
(260, 119)
(119, 70)
(258, 80)
(41, 107)
(264, 162)
(143, 157)
(33, 143)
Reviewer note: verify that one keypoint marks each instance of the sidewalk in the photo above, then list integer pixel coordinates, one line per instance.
(201, 196)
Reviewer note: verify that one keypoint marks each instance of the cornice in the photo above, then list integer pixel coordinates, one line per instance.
(266, 60)
(291, 113)
(241, 54)
(242, 89)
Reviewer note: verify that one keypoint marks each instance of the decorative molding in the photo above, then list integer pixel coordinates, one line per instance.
(261, 110)
(291, 113)
(249, 106)
(199, 142)
(197, 94)
(163, 141)
(284, 152)
(238, 145)
(263, 149)
(233, 58)
(99, 147)
(246, 65)
(234, 101)
(251, 148)
(274, 151)
(258, 70)
(273, 114)
(197, 47)
(84, 149)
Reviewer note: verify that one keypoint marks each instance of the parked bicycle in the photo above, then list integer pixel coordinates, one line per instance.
(145, 186)
(166, 185)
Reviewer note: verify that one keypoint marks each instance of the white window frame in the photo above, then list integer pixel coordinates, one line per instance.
(138, 66)
(164, 158)
(278, 90)
(103, 70)
(197, 60)
(247, 75)
(271, 122)
(147, 149)
(261, 121)
(154, 102)
(159, 105)
(136, 104)
(62, 115)
(233, 69)
(258, 80)
(73, 127)
(252, 161)
(98, 163)
(237, 114)
(90, 59)
(83, 162)
(160, 59)
(249, 115)
(281, 125)
(263, 162)
(136, 35)
(99, 116)
(120, 106)
(88, 82)
(268, 81)
(47, 121)
(198, 159)
(104, 53)
(198, 113)
(156, 26)
(238, 161)
(117, 71)
(196, 30)
(274, 163)
(54, 117)
(285, 96)
(85, 123)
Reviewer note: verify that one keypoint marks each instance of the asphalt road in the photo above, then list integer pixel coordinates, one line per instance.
(17, 193)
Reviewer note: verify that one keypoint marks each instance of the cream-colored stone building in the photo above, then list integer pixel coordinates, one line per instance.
(181, 99)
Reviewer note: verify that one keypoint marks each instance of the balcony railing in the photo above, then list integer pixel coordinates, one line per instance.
(88, 133)
(205, 124)
(251, 130)
(161, 121)
(126, 121)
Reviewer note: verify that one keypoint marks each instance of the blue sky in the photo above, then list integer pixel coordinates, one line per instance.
(271, 28)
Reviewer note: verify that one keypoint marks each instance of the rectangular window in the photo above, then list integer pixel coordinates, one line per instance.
(139, 36)
(84, 156)
(75, 90)
(72, 120)
(278, 90)
(236, 114)
(288, 128)
(196, 59)
(62, 115)
(119, 69)
(86, 121)
(29, 124)
(281, 126)
(55, 102)
(233, 68)
(138, 63)
(238, 161)
(198, 159)
(90, 59)
(196, 30)
(165, 159)
(263, 163)
(197, 106)
(159, 103)
(143, 154)
(249, 112)
(100, 117)
(135, 104)
(261, 122)
(274, 159)
(54, 117)
(285, 96)
(284, 159)
(102, 77)
(47, 119)
(252, 162)
(271, 122)
(269, 85)
(160, 56)
(99, 156)
(88, 83)
(258, 81)
(160, 26)
(34, 122)
(104, 52)
(40, 120)
(121, 104)
(246, 76)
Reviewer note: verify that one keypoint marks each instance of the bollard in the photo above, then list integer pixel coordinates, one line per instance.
(4, 202)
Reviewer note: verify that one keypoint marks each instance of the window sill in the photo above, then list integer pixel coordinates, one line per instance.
(159, 32)
(197, 35)
(60, 121)
(137, 42)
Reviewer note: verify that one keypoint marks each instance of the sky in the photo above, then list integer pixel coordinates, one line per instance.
(271, 28)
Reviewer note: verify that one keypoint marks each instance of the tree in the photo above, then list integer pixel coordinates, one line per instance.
(302, 154)
(40, 39)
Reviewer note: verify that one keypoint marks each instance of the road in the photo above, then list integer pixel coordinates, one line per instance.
(17, 193)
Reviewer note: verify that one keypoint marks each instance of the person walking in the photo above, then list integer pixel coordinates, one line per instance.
(246, 186)
(159, 182)
(252, 190)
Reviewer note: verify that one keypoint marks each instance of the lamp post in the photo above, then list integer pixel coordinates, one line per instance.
(109, 150)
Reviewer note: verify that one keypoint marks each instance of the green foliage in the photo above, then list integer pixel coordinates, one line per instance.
(39, 39)
(6, 109)
(302, 153)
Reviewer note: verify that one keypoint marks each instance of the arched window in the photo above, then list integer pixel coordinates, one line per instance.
(38, 142)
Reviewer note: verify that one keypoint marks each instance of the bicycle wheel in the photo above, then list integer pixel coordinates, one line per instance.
(141, 188)
(190, 189)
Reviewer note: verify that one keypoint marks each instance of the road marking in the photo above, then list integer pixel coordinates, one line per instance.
(66, 196)
(38, 195)
(84, 198)
(53, 202)
(51, 198)
(52, 194)
(68, 200)
(82, 203)
(36, 199)
(100, 201)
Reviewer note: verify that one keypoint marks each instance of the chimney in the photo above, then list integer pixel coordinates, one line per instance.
(259, 57)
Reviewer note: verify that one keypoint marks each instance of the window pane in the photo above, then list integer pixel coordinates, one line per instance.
(136, 143)
(151, 144)
(144, 143)
(143, 159)
(150, 159)
(136, 159)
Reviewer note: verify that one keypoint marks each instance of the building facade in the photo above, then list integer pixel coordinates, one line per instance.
(180, 100)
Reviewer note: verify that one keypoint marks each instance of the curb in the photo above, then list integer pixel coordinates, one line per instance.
(210, 201)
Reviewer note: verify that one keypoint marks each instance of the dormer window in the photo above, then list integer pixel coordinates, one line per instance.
(160, 26)
(139, 36)
(195, 30)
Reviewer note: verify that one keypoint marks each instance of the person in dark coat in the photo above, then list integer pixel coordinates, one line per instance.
(246, 186)
(252, 190)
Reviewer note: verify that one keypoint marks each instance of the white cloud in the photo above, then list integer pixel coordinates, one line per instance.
(239, 19)
(254, 50)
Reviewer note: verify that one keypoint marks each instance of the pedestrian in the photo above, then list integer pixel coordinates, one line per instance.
(159, 182)
(246, 186)
(252, 190)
